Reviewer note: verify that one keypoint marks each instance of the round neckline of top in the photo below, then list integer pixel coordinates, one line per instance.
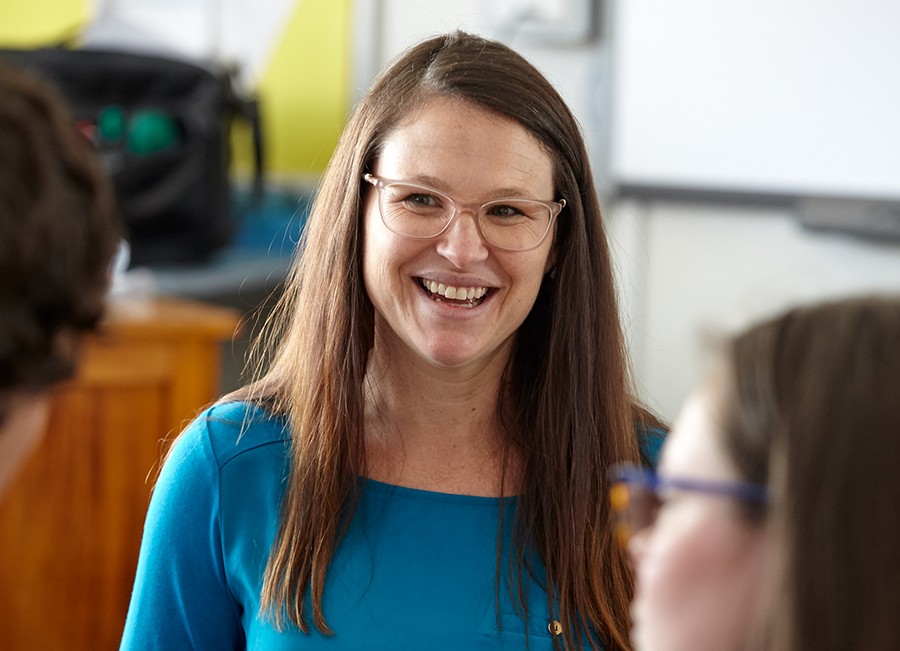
(433, 496)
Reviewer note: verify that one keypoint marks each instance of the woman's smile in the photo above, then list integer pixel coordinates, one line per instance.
(467, 297)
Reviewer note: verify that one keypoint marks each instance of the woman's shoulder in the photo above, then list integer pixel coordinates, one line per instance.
(651, 439)
(227, 431)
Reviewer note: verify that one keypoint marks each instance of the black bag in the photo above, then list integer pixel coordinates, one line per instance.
(163, 128)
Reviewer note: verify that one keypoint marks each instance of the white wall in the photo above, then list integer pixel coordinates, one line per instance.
(579, 70)
(693, 274)
(794, 97)
(242, 32)
(688, 273)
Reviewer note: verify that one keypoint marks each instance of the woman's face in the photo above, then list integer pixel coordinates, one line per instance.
(473, 156)
(701, 567)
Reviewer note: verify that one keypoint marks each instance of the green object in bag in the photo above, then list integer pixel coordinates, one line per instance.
(150, 131)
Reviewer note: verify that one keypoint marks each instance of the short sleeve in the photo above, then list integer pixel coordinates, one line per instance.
(181, 598)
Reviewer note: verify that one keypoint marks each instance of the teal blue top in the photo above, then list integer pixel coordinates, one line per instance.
(416, 569)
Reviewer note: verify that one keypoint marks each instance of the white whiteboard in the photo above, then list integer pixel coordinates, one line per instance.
(795, 97)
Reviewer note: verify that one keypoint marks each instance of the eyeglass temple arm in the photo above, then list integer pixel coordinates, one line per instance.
(739, 490)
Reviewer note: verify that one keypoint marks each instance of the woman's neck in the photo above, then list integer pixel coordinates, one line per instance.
(436, 429)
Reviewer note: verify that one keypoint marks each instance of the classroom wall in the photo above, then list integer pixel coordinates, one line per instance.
(693, 274)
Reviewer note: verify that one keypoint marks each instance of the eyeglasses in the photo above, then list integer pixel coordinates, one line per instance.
(421, 212)
(634, 496)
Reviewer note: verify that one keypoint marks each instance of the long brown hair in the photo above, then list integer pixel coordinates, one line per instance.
(568, 406)
(815, 413)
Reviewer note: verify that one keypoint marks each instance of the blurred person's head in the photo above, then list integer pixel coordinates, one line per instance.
(779, 519)
(58, 232)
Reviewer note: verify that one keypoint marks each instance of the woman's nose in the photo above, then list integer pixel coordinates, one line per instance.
(462, 244)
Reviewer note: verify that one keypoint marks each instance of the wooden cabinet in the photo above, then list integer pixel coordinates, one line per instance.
(71, 522)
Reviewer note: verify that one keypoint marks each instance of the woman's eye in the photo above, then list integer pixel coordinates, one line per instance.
(422, 200)
(504, 211)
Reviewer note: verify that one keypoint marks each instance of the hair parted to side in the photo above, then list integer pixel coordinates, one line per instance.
(815, 414)
(59, 229)
(566, 401)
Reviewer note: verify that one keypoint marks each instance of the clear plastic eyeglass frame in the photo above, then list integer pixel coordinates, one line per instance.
(480, 210)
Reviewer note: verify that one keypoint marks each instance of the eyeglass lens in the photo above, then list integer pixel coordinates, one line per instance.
(415, 211)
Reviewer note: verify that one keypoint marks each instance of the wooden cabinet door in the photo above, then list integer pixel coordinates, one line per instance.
(71, 522)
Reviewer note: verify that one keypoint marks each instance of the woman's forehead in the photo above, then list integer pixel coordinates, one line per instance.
(695, 447)
(457, 146)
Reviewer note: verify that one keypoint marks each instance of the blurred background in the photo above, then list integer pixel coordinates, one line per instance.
(747, 156)
(746, 153)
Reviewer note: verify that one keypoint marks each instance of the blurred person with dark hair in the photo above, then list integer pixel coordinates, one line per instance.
(58, 232)
(774, 520)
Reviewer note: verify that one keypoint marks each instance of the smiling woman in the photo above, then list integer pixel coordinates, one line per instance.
(476, 154)
(423, 463)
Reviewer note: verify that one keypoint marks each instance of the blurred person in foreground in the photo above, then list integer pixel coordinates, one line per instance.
(774, 521)
(58, 232)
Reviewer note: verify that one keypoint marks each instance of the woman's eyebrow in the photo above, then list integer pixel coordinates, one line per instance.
(507, 192)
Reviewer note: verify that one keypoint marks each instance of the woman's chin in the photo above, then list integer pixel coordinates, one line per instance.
(450, 359)
(457, 352)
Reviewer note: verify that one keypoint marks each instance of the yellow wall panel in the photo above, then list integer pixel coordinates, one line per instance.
(305, 90)
(34, 23)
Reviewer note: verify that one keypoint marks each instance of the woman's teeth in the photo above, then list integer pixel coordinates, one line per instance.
(470, 294)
